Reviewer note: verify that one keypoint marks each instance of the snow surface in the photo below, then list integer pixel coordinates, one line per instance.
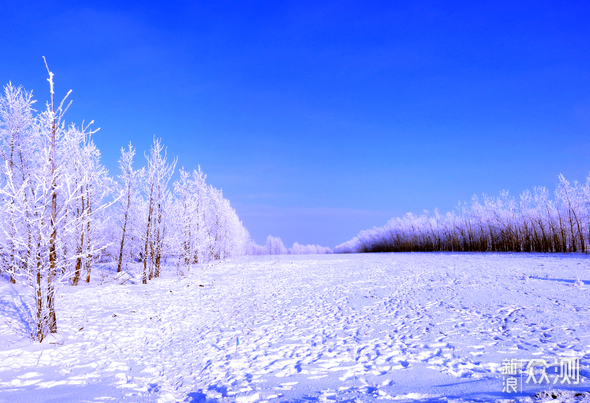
(364, 327)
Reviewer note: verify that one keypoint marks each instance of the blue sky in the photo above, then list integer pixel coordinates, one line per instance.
(320, 119)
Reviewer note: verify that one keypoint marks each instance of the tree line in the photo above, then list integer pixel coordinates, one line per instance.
(537, 221)
(274, 246)
(61, 212)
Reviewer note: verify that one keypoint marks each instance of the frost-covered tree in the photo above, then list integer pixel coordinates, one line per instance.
(207, 227)
(17, 131)
(274, 246)
(41, 190)
(92, 185)
(298, 249)
(130, 180)
(199, 203)
(158, 174)
(253, 249)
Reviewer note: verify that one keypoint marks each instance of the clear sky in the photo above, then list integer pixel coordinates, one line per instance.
(319, 119)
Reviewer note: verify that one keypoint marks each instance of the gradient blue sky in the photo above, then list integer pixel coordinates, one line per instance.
(320, 119)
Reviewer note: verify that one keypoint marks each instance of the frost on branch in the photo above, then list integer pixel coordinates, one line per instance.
(532, 222)
(62, 213)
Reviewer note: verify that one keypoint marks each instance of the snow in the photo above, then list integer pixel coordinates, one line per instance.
(359, 327)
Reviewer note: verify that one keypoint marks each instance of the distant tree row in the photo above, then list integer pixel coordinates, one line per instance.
(533, 222)
(274, 246)
(60, 211)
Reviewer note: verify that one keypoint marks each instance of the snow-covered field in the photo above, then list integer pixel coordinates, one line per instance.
(372, 327)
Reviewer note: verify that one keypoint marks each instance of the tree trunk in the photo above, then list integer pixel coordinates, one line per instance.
(147, 237)
(120, 260)
(89, 256)
(39, 303)
(78, 269)
(53, 226)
